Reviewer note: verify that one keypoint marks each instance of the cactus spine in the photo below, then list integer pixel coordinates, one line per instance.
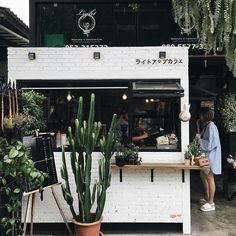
(82, 141)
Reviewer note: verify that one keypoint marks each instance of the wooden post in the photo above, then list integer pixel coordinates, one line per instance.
(60, 209)
(27, 213)
(31, 203)
(32, 214)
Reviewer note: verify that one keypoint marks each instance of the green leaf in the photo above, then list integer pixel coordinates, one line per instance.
(4, 181)
(8, 231)
(7, 190)
(17, 190)
(12, 221)
(8, 161)
(4, 219)
(9, 209)
(20, 154)
(13, 153)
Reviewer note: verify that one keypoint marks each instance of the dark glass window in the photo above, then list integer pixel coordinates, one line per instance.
(108, 24)
(155, 123)
(150, 121)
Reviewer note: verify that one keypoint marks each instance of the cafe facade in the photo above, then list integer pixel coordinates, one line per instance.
(134, 58)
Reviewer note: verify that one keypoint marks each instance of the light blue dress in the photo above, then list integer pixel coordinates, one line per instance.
(210, 145)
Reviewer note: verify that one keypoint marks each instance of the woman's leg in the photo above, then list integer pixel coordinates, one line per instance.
(212, 186)
(205, 185)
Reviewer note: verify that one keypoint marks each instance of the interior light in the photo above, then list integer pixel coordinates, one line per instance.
(151, 100)
(124, 96)
(147, 100)
(69, 97)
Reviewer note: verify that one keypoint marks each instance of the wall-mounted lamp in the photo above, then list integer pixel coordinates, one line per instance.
(147, 100)
(162, 55)
(96, 55)
(31, 55)
(124, 96)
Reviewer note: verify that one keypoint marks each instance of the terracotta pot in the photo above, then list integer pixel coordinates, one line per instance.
(87, 229)
(187, 162)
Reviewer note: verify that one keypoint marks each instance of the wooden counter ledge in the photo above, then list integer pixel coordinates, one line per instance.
(152, 166)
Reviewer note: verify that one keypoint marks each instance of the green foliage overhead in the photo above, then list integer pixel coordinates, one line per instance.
(17, 174)
(226, 110)
(90, 194)
(33, 108)
(214, 22)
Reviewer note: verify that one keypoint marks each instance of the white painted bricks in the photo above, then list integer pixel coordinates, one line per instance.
(136, 199)
(117, 62)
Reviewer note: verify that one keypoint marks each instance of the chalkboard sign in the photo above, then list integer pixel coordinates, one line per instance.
(41, 152)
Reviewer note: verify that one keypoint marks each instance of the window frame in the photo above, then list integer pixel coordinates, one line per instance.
(126, 85)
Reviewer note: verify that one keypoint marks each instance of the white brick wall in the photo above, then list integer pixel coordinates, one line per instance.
(136, 199)
(55, 63)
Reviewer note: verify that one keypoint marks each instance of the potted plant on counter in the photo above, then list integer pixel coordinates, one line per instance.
(120, 155)
(131, 154)
(193, 153)
(187, 157)
(83, 138)
(127, 155)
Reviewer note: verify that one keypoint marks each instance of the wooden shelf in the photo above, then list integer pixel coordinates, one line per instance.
(152, 166)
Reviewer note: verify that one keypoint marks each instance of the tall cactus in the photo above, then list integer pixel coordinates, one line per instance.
(82, 141)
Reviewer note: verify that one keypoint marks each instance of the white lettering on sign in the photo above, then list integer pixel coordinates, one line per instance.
(86, 21)
(189, 45)
(85, 46)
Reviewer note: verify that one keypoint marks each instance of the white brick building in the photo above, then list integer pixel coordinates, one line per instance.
(136, 198)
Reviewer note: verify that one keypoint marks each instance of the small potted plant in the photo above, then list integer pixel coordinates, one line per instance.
(187, 157)
(120, 154)
(193, 152)
(131, 154)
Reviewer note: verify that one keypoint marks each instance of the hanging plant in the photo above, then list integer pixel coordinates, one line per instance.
(214, 22)
(226, 111)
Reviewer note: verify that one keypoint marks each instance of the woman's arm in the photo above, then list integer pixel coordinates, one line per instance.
(208, 144)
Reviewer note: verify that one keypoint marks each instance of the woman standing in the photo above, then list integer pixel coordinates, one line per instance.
(209, 143)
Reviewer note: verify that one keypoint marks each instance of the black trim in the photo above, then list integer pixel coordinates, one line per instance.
(111, 228)
(183, 176)
(121, 176)
(157, 95)
(152, 175)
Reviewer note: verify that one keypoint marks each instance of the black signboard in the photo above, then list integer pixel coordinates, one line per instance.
(41, 152)
(93, 24)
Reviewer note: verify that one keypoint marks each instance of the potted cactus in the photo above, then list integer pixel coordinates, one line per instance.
(90, 195)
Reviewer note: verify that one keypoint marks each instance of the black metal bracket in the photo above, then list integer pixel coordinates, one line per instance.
(121, 177)
(152, 175)
(183, 176)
